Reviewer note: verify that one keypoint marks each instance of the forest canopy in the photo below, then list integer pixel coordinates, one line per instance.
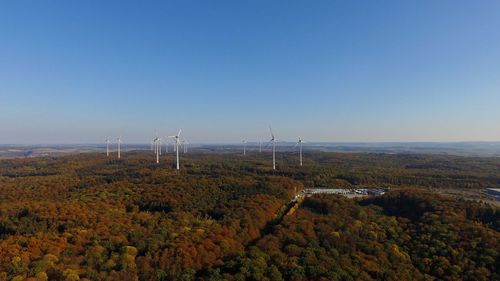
(89, 217)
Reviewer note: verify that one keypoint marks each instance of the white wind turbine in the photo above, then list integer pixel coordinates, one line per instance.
(156, 142)
(159, 145)
(119, 140)
(273, 141)
(176, 139)
(107, 146)
(244, 147)
(185, 145)
(299, 143)
(260, 146)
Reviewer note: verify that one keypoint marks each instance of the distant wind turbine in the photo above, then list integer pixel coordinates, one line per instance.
(244, 147)
(119, 140)
(273, 141)
(299, 143)
(185, 145)
(176, 139)
(156, 142)
(159, 145)
(107, 146)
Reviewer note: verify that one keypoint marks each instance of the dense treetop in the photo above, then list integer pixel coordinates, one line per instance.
(97, 218)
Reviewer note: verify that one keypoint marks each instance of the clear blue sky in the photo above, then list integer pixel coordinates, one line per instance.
(77, 71)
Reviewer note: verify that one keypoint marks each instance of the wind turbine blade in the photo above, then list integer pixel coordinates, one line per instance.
(179, 133)
(267, 145)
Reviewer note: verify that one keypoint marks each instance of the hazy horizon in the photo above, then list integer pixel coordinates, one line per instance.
(264, 142)
(330, 71)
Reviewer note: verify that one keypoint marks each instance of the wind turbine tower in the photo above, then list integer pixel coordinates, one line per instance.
(244, 147)
(157, 151)
(299, 143)
(176, 139)
(159, 146)
(119, 140)
(156, 142)
(107, 146)
(273, 141)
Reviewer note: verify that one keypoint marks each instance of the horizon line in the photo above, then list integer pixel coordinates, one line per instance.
(257, 142)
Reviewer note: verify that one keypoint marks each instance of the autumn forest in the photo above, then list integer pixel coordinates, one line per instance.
(223, 217)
